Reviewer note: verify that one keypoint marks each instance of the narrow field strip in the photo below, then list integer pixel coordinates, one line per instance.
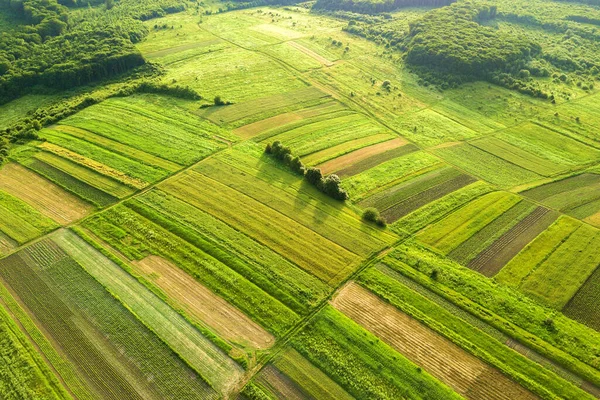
(89, 176)
(111, 351)
(272, 104)
(311, 53)
(344, 148)
(138, 237)
(118, 147)
(278, 385)
(254, 129)
(69, 183)
(347, 232)
(226, 320)
(456, 228)
(312, 380)
(41, 194)
(462, 371)
(307, 249)
(356, 156)
(471, 247)
(275, 274)
(214, 365)
(583, 307)
(491, 260)
(21, 222)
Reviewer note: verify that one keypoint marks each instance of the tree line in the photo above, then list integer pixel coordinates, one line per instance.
(375, 6)
(330, 184)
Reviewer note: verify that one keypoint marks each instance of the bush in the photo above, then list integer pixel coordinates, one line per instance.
(371, 214)
(314, 176)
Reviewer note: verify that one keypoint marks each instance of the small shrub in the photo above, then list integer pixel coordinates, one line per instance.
(371, 214)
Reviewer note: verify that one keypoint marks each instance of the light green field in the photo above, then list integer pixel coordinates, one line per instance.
(430, 128)
(486, 166)
(456, 228)
(374, 179)
(15, 110)
(292, 56)
(20, 221)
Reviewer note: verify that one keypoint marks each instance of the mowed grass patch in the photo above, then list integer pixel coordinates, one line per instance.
(366, 183)
(74, 310)
(151, 125)
(375, 160)
(520, 267)
(81, 189)
(467, 116)
(261, 107)
(253, 129)
(235, 74)
(486, 166)
(89, 176)
(578, 196)
(202, 355)
(460, 370)
(363, 365)
(437, 209)
(309, 250)
(293, 56)
(349, 147)
(249, 171)
(203, 305)
(560, 275)
(269, 270)
(334, 159)
(137, 237)
(20, 221)
(138, 173)
(308, 377)
(429, 128)
(470, 248)
(46, 197)
(273, 383)
(450, 232)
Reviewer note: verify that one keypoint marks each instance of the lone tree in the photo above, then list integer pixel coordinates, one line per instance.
(372, 215)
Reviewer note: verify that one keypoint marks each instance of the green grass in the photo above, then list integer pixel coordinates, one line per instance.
(272, 272)
(362, 364)
(150, 124)
(431, 212)
(486, 166)
(331, 153)
(137, 237)
(128, 166)
(333, 131)
(75, 310)
(71, 184)
(311, 379)
(571, 345)
(536, 252)
(12, 112)
(91, 177)
(293, 57)
(210, 362)
(374, 179)
(430, 128)
(583, 306)
(375, 160)
(458, 227)
(25, 376)
(20, 221)
(470, 248)
(565, 270)
(521, 369)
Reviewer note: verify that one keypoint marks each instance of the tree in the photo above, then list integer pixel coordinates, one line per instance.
(314, 176)
(370, 214)
(109, 4)
(218, 101)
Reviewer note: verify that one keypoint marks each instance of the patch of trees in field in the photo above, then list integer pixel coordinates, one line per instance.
(330, 184)
(376, 6)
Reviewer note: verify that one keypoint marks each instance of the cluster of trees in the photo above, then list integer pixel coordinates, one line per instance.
(375, 6)
(372, 215)
(331, 185)
(52, 50)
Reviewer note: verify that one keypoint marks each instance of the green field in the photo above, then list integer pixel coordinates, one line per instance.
(20, 221)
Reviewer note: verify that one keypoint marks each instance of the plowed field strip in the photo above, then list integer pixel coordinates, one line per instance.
(438, 356)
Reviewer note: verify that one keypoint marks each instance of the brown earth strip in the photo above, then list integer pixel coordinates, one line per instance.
(200, 302)
(42, 194)
(347, 160)
(280, 385)
(417, 201)
(466, 374)
(490, 261)
(375, 160)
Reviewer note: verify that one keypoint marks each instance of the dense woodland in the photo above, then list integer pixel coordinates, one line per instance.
(375, 7)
